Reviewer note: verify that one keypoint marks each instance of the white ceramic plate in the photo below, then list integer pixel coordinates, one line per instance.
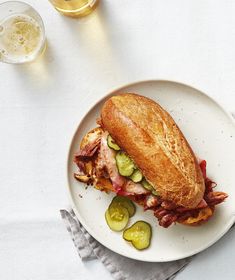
(211, 133)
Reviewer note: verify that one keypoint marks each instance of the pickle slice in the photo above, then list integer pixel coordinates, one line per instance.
(149, 187)
(125, 165)
(154, 192)
(146, 185)
(139, 234)
(117, 217)
(112, 144)
(137, 176)
(124, 202)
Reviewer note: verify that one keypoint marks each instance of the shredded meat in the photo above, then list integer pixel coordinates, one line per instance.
(168, 205)
(134, 188)
(209, 185)
(168, 219)
(81, 167)
(87, 152)
(185, 215)
(202, 165)
(168, 213)
(151, 201)
(103, 164)
(106, 164)
(83, 178)
(202, 204)
(214, 198)
(165, 217)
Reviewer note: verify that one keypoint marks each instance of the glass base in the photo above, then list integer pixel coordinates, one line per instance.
(84, 11)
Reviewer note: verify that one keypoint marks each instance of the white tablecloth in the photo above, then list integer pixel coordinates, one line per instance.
(42, 103)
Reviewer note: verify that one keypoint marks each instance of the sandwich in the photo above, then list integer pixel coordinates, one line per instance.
(138, 151)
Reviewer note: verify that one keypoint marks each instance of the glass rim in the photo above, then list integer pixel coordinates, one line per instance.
(84, 7)
(21, 2)
(42, 26)
(26, 4)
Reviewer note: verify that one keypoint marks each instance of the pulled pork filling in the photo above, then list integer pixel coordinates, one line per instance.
(97, 161)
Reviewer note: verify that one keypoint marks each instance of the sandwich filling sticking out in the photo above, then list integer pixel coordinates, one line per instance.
(139, 152)
(103, 164)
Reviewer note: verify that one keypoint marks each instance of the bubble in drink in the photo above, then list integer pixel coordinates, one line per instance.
(21, 38)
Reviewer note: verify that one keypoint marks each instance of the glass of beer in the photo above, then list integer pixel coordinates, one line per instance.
(74, 8)
(22, 33)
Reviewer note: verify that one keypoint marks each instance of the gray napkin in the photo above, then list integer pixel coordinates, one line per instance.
(121, 268)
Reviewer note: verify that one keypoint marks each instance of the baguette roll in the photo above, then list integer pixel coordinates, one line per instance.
(150, 136)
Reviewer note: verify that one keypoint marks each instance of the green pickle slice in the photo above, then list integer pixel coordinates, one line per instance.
(139, 234)
(146, 185)
(124, 164)
(121, 201)
(137, 176)
(111, 143)
(149, 187)
(117, 217)
(154, 192)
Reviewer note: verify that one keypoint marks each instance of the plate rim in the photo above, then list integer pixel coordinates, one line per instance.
(81, 220)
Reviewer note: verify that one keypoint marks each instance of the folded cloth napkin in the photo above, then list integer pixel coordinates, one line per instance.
(121, 268)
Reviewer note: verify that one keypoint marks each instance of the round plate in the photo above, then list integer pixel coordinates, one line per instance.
(210, 132)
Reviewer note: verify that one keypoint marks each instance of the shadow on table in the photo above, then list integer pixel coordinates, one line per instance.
(41, 71)
(97, 36)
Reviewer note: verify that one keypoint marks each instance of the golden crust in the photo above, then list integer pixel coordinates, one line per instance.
(152, 139)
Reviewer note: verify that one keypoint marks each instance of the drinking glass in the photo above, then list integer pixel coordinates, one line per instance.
(22, 33)
(74, 8)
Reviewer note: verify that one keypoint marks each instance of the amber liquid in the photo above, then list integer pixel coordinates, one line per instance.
(74, 8)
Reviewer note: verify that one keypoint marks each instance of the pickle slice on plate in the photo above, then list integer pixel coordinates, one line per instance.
(125, 164)
(124, 202)
(139, 234)
(136, 176)
(111, 143)
(117, 217)
(146, 185)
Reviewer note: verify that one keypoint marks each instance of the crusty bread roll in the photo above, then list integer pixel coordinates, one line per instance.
(149, 135)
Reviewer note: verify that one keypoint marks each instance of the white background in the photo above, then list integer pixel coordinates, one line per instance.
(41, 104)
